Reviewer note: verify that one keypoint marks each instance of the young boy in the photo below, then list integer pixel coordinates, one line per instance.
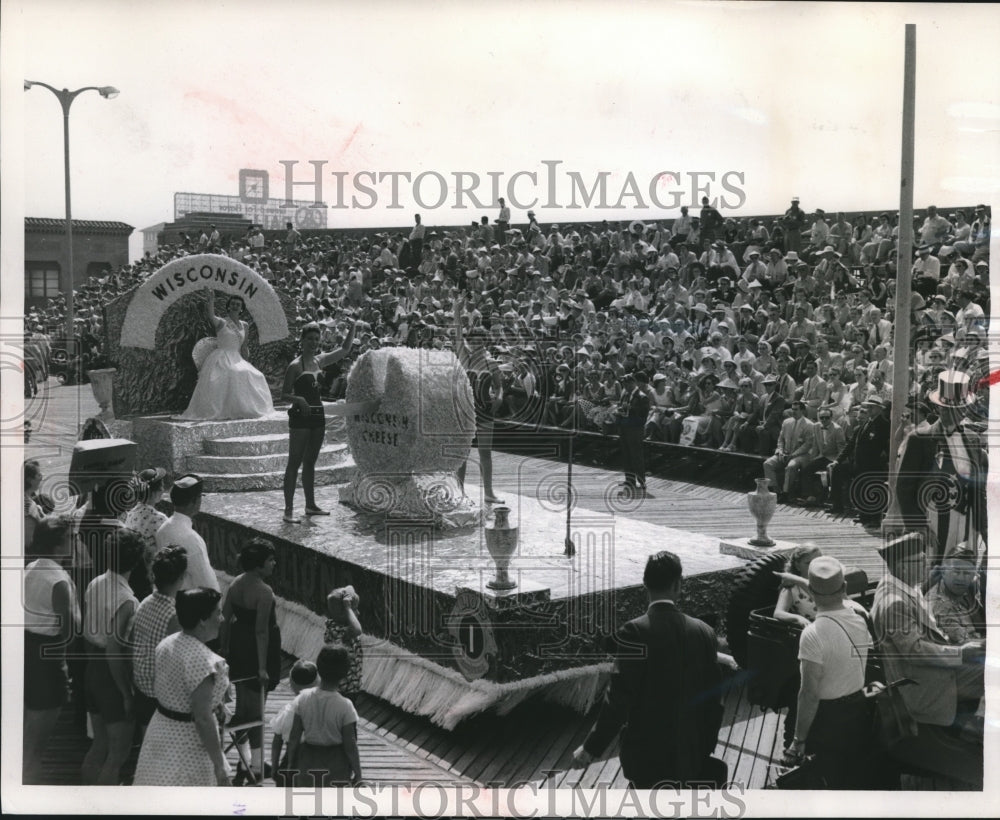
(302, 676)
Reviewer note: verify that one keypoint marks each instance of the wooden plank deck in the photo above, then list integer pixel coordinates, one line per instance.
(383, 760)
(537, 739)
(703, 509)
(535, 743)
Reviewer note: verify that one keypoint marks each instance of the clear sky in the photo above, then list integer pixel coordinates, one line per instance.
(789, 99)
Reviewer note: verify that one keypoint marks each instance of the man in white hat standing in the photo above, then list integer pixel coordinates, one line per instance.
(503, 222)
(834, 717)
(681, 226)
(945, 456)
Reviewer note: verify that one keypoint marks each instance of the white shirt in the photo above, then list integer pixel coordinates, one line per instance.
(103, 599)
(324, 716)
(40, 578)
(178, 530)
(929, 267)
(972, 312)
(842, 652)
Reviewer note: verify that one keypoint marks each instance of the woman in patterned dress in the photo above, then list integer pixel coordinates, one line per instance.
(145, 519)
(343, 627)
(182, 746)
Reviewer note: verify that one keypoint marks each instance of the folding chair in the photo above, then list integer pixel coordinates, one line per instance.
(236, 730)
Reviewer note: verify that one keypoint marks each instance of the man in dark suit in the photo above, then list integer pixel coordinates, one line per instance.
(764, 426)
(632, 425)
(861, 468)
(665, 691)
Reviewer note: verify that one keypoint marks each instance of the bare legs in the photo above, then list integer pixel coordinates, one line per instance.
(484, 443)
(108, 753)
(303, 451)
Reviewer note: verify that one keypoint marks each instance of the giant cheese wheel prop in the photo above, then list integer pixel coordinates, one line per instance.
(408, 450)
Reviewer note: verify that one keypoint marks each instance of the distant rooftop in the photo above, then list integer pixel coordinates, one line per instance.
(38, 224)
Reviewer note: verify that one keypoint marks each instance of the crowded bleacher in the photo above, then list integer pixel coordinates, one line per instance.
(732, 320)
(767, 338)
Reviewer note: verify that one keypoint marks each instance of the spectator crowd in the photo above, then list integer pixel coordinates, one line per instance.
(772, 338)
(125, 620)
(732, 320)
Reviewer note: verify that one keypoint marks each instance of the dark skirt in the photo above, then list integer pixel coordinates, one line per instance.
(46, 679)
(103, 696)
(242, 660)
(327, 764)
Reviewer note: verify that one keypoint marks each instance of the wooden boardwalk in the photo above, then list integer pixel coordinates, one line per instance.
(383, 761)
(536, 740)
(697, 508)
(534, 743)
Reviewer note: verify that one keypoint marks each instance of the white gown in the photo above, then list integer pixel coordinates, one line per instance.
(229, 387)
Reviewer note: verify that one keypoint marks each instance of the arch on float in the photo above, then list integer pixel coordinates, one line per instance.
(191, 274)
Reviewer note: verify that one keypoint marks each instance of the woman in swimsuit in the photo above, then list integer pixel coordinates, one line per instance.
(306, 419)
(487, 394)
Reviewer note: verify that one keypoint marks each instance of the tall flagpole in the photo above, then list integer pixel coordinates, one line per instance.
(904, 264)
(569, 549)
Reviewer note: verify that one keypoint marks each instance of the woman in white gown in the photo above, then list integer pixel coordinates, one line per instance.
(229, 387)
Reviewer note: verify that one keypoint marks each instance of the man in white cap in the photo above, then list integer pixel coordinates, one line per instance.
(755, 271)
(178, 530)
(834, 718)
(945, 454)
(776, 269)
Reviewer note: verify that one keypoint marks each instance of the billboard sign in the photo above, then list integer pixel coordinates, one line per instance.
(270, 214)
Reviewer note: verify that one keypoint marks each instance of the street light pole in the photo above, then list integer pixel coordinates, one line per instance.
(66, 98)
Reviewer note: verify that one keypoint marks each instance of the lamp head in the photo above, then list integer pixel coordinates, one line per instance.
(28, 84)
(109, 92)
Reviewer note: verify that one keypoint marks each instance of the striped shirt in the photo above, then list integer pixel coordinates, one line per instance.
(150, 626)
